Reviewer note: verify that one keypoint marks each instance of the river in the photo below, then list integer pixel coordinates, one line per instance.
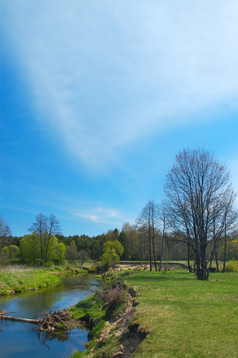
(18, 340)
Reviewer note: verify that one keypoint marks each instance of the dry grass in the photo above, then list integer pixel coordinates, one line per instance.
(16, 269)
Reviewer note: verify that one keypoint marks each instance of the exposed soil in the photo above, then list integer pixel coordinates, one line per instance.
(123, 328)
(146, 266)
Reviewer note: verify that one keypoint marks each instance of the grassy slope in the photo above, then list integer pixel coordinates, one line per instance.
(186, 317)
(18, 279)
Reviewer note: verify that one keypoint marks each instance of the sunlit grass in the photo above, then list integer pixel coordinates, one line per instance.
(186, 317)
(16, 279)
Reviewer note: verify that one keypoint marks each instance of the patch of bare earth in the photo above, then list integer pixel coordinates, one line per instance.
(123, 329)
(132, 266)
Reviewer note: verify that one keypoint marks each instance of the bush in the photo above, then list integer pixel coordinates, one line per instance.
(3, 259)
(15, 261)
(232, 266)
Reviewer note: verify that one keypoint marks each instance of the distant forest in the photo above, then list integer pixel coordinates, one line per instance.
(135, 242)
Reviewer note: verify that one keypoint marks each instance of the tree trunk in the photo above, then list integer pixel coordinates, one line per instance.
(201, 270)
(224, 255)
(189, 266)
(153, 242)
(161, 253)
(202, 274)
(150, 256)
(11, 318)
(217, 263)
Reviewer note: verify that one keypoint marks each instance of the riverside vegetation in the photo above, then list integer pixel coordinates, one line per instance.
(109, 314)
(148, 313)
(16, 279)
(176, 316)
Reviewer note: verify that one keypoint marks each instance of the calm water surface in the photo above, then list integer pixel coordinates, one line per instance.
(24, 340)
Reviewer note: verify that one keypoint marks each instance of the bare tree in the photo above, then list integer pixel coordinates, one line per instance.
(5, 232)
(163, 218)
(131, 242)
(143, 251)
(45, 227)
(148, 220)
(199, 198)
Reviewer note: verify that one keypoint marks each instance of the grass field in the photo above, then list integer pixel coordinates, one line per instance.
(187, 318)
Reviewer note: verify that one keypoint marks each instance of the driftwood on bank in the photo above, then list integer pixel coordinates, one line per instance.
(55, 320)
(52, 320)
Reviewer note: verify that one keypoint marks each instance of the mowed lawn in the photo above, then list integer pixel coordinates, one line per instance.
(187, 317)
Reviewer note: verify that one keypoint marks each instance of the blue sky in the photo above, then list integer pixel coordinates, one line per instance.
(98, 96)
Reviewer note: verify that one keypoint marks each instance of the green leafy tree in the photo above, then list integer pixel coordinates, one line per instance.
(31, 250)
(58, 253)
(14, 251)
(112, 251)
(5, 251)
(232, 250)
(45, 228)
(4, 255)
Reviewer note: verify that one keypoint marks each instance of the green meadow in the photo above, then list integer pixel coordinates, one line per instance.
(187, 318)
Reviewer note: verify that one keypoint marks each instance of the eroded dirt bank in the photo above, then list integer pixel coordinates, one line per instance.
(120, 334)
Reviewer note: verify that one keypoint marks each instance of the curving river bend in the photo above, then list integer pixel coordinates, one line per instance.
(23, 340)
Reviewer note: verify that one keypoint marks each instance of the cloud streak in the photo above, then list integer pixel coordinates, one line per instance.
(100, 215)
(107, 74)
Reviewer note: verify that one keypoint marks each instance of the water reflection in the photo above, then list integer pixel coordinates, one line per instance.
(19, 339)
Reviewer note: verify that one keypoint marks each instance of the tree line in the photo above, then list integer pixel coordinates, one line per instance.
(196, 222)
(133, 238)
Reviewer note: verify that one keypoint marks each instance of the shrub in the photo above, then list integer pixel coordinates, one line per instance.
(15, 261)
(232, 266)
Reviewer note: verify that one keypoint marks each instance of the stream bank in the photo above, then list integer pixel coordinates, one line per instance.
(110, 316)
(20, 278)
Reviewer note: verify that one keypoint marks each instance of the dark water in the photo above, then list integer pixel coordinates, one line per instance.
(19, 339)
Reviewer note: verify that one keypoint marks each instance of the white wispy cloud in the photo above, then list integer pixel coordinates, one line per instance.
(100, 215)
(104, 74)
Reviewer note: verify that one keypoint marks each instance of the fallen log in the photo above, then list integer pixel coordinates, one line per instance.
(19, 319)
(51, 321)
